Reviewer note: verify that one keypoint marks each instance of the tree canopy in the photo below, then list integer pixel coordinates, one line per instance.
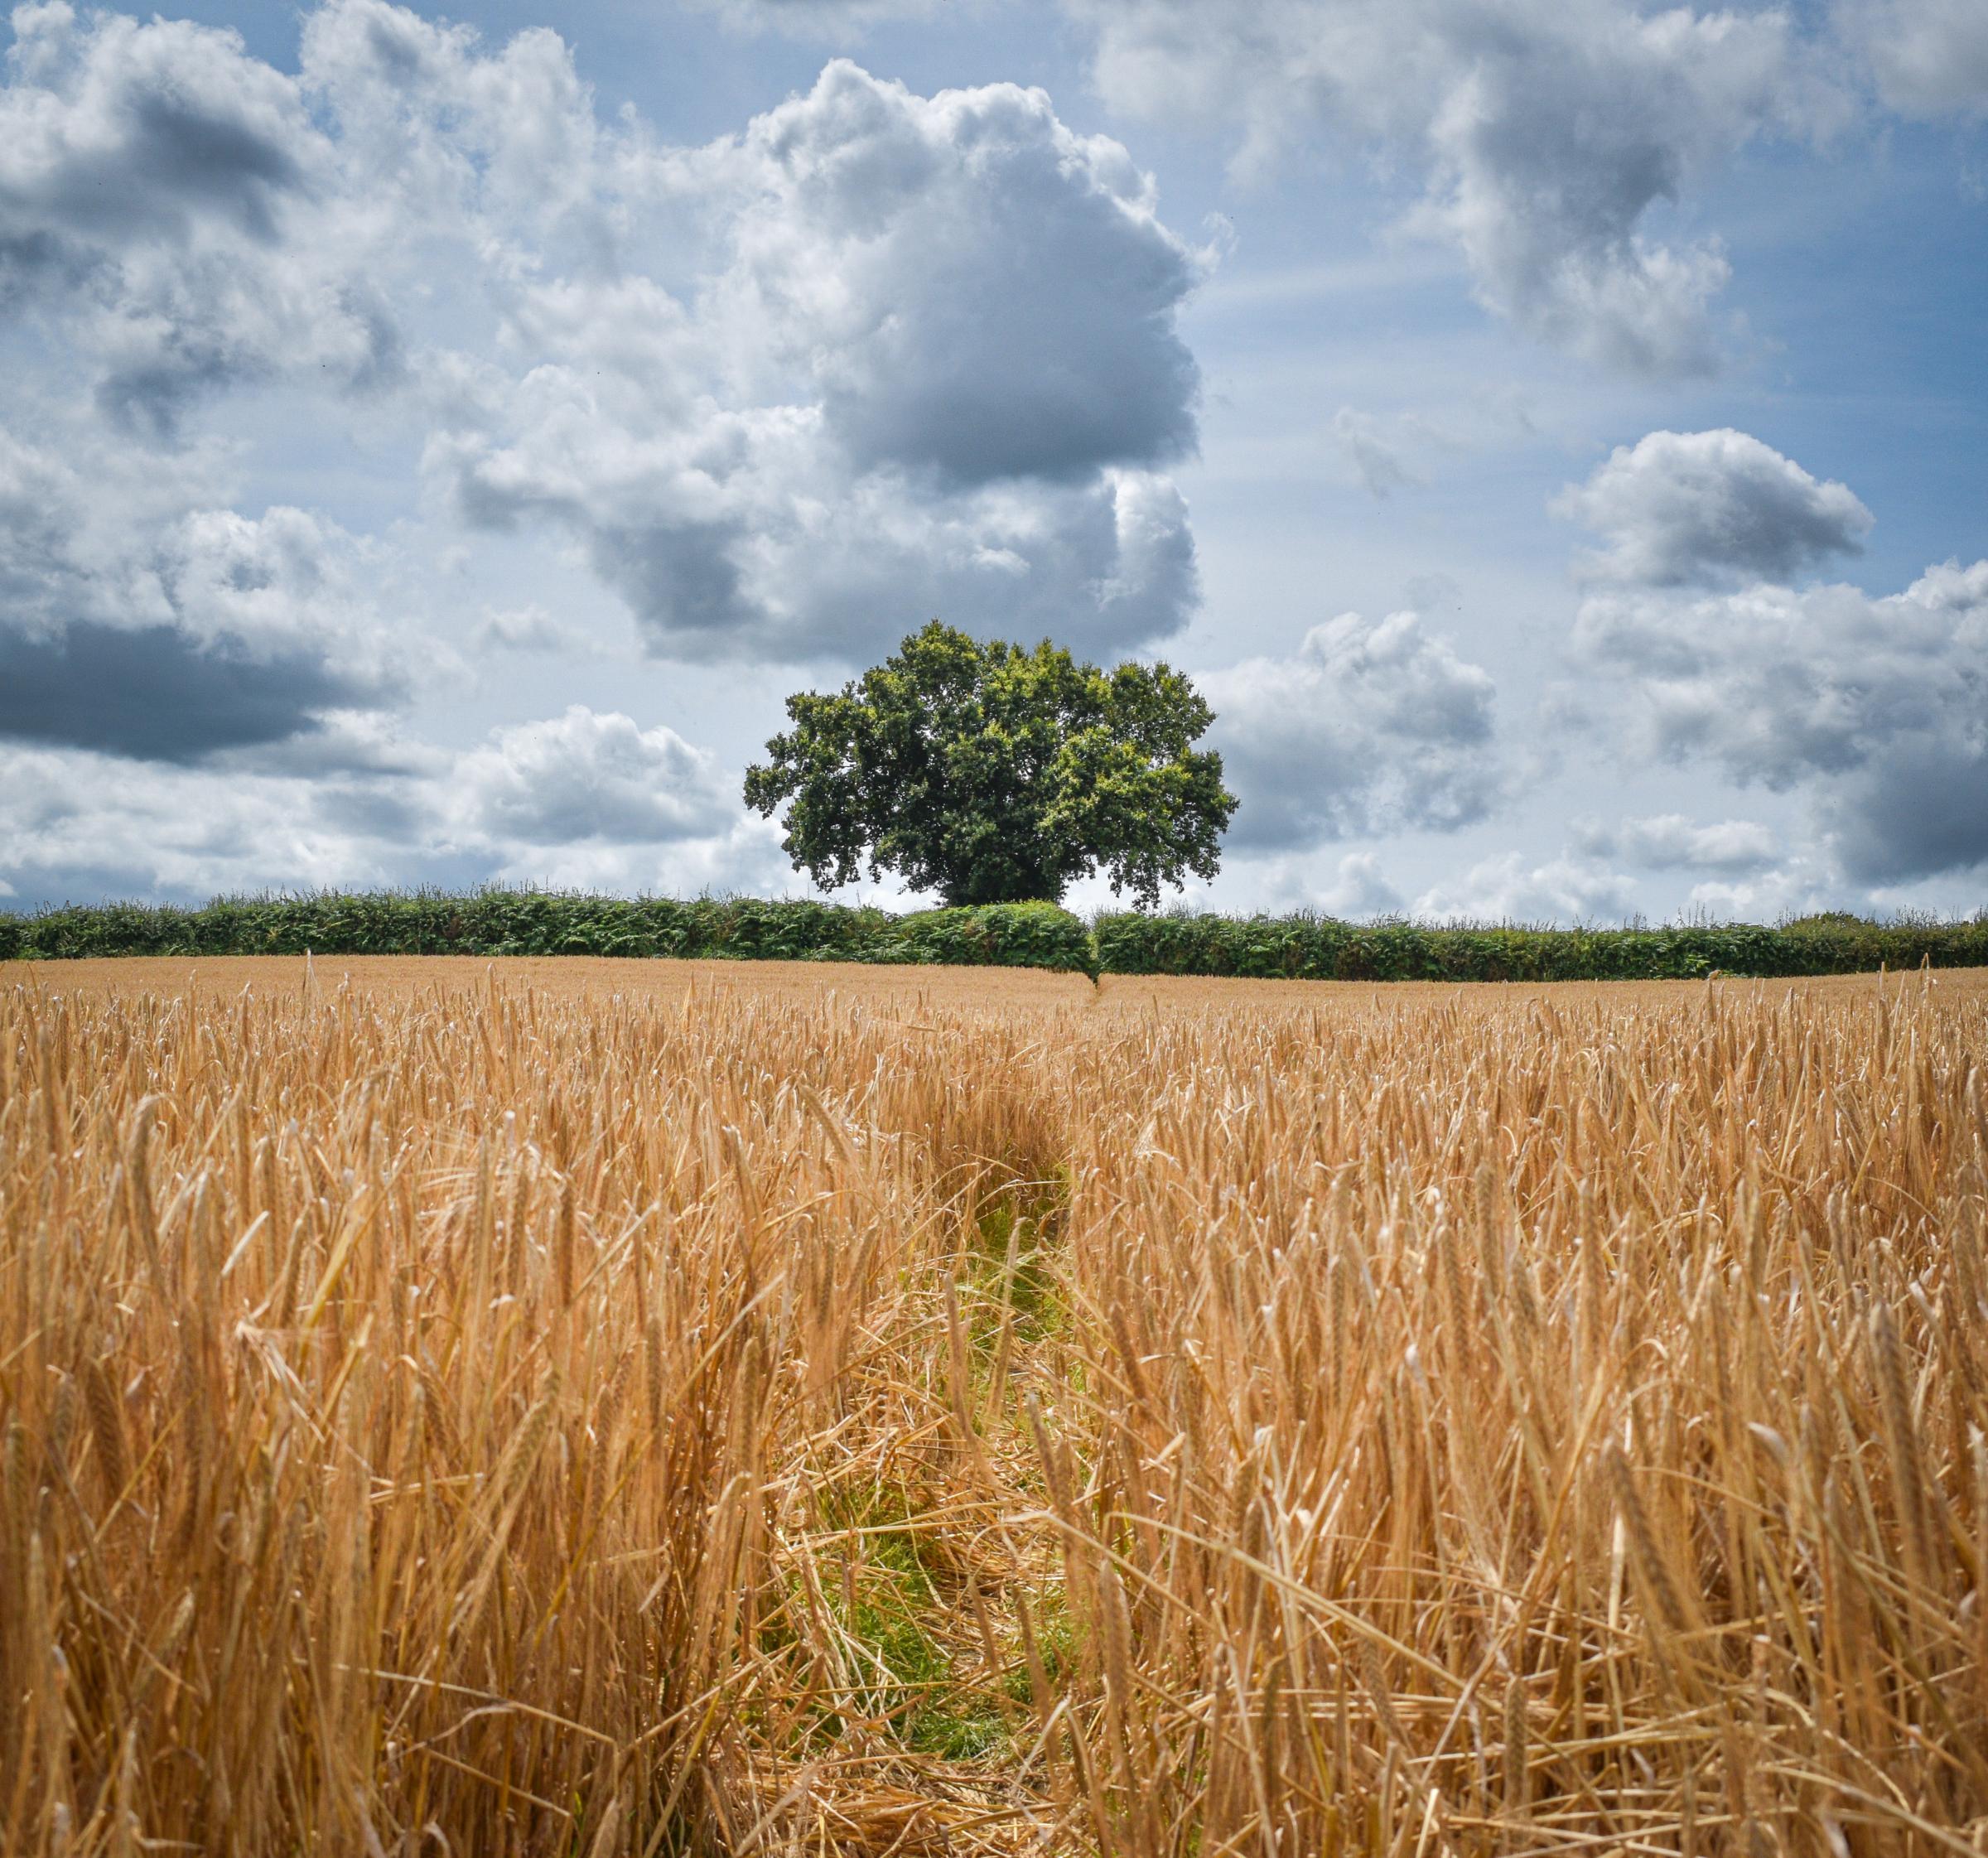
(994, 773)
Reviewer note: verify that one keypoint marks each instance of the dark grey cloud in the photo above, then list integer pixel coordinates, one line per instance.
(684, 580)
(149, 396)
(134, 626)
(1918, 810)
(35, 260)
(1677, 508)
(161, 694)
(1369, 726)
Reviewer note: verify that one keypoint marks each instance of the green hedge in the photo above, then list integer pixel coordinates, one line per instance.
(1000, 935)
(504, 922)
(1320, 948)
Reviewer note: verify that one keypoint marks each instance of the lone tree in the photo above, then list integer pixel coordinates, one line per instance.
(994, 775)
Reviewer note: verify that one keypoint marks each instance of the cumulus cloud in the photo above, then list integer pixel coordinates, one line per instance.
(1875, 707)
(1670, 841)
(170, 211)
(428, 126)
(750, 537)
(80, 826)
(977, 290)
(1356, 887)
(1511, 889)
(931, 367)
(1926, 57)
(132, 627)
(584, 798)
(1370, 726)
(875, 356)
(1359, 889)
(1545, 133)
(587, 775)
(1682, 507)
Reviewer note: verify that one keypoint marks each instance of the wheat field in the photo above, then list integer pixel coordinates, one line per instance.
(601, 1407)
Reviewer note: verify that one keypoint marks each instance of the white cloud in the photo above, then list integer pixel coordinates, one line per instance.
(750, 537)
(1359, 889)
(1769, 896)
(930, 367)
(585, 775)
(1355, 887)
(1670, 841)
(1546, 132)
(429, 127)
(1508, 888)
(80, 826)
(587, 798)
(171, 215)
(1927, 57)
(877, 356)
(1680, 507)
(1875, 707)
(976, 290)
(1369, 725)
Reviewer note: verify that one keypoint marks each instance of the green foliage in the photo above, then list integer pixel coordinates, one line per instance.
(511, 921)
(998, 935)
(993, 775)
(1320, 948)
(1032, 1291)
(507, 922)
(903, 1665)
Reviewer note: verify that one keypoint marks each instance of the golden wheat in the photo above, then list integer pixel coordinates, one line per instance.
(594, 1409)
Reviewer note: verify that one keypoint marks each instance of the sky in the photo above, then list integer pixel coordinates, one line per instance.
(1553, 434)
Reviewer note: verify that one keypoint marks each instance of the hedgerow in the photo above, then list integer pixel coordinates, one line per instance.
(1303, 947)
(530, 922)
(1323, 948)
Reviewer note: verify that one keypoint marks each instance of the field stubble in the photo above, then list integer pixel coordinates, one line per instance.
(610, 1409)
